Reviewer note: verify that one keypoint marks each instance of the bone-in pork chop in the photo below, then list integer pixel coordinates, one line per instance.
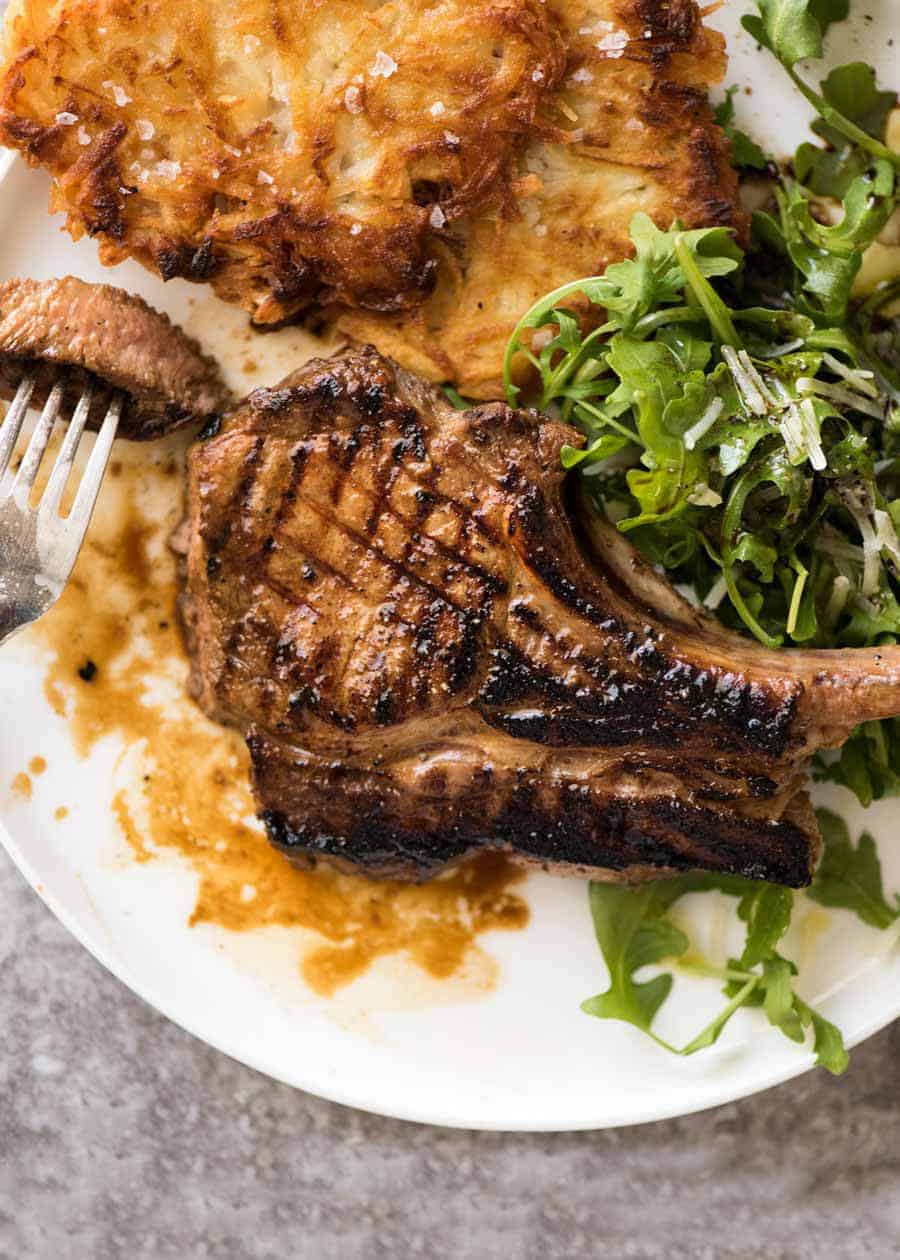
(391, 601)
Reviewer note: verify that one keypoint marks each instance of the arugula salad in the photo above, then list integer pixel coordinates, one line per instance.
(741, 415)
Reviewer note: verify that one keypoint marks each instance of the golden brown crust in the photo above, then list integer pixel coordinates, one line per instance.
(629, 128)
(287, 153)
(372, 167)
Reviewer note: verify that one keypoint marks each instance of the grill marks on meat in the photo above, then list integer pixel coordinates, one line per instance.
(376, 580)
(114, 340)
(390, 599)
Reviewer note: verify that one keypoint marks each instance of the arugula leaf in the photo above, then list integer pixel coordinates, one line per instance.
(455, 398)
(853, 91)
(655, 275)
(791, 29)
(828, 258)
(779, 998)
(869, 762)
(709, 1035)
(630, 291)
(766, 909)
(701, 291)
(794, 31)
(745, 153)
(826, 12)
(828, 1043)
(606, 445)
(849, 877)
(633, 930)
(752, 550)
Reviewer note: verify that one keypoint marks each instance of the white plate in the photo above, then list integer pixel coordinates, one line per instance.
(517, 1055)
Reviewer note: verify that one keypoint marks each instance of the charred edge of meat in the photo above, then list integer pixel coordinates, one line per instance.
(658, 710)
(755, 715)
(617, 836)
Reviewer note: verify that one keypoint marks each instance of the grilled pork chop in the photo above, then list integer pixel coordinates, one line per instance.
(390, 600)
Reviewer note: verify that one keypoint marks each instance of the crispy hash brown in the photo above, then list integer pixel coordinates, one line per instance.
(289, 152)
(629, 128)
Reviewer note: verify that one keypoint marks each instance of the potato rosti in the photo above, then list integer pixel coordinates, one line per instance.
(289, 152)
(628, 129)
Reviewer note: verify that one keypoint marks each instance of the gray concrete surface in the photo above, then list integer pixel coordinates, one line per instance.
(123, 1137)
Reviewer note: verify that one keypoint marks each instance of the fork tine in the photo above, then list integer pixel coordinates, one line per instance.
(52, 496)
(12, 424)
(82, 509)
(31, 461)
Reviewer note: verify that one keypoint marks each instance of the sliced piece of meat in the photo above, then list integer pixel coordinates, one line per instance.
(115, 340)
(391, 601)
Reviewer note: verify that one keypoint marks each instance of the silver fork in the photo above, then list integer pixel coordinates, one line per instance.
(38, 546)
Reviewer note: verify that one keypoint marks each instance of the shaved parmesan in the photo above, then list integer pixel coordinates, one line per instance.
(704, 424)
(716, 593)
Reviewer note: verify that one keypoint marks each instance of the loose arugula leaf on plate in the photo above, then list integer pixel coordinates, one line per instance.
(794, 31)
(828, 11)
(828, 1043)
(853, 91)
(633, 931)
(849, 877)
